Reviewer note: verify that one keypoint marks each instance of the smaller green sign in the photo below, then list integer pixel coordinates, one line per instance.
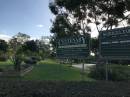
(76, 47)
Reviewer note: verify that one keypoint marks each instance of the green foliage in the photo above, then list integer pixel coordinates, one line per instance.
(128, 4)
(30, 46)
(21, 37)
(17, 60)
(63, 26)
(115, 73)
(3, 50)
(3, 46)
(6, 64)
(53, 8)
(31, 60)
(104, 13)
(16, 50)
(3, 57)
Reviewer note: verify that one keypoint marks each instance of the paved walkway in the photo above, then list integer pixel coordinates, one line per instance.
(85, 65)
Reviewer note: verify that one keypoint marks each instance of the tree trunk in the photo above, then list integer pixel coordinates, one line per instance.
(17, 63)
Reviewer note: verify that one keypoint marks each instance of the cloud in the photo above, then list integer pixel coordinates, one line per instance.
(5, 37)
(39, 26)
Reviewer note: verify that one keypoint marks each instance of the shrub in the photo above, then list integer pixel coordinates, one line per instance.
(35, 58)
(1, 70)
(3, 58)
(97, 73)
(32, 60)
(20, 88)
(115, 73)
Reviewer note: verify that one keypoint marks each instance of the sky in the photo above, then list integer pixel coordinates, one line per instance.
(31, 17)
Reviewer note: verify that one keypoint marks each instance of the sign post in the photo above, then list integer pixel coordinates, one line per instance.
(114, 45)
(74, 47)
(106, 70)
(83, 70)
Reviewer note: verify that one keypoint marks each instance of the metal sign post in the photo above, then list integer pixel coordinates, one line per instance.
(114, 44)
(83, 70)
(106, 70)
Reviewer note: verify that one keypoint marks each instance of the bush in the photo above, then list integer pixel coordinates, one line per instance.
(1, 70)
(17, 88)
(3, 58)
(35, 58)
(97, 73)
(123, 62)
(115, 73)
(32, 60)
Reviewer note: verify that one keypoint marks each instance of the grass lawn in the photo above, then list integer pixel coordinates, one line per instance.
(51, 70)
(6, 64)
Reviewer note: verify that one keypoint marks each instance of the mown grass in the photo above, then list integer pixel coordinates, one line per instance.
(51, 70)
(5, 64)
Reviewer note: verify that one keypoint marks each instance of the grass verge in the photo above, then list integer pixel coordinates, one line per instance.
(51, 70)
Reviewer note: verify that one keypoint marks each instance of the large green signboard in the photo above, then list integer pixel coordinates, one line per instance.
(115, 43)
(75, 47)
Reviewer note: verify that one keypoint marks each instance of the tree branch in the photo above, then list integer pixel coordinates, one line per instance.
(126, 17)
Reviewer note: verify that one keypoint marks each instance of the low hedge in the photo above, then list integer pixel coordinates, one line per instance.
(63, 89)
(115, 72)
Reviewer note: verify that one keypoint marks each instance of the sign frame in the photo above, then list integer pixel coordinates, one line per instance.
(81, 58)
(112, 57)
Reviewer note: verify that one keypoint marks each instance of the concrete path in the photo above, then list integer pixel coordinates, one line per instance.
(85, 65)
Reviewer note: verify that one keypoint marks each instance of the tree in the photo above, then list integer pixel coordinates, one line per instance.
(3, 50)
(80, 14)
(108, 13)
(30, 46)
(16, 50)
(105, 14)
(31, 52)
(3, 46)
(128, 4)
(61, 27)
(21, 37)
(73, 14)
(44, 47)
(16, 53)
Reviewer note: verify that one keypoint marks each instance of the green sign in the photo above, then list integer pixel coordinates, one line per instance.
(115, 43)
(76, 47)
